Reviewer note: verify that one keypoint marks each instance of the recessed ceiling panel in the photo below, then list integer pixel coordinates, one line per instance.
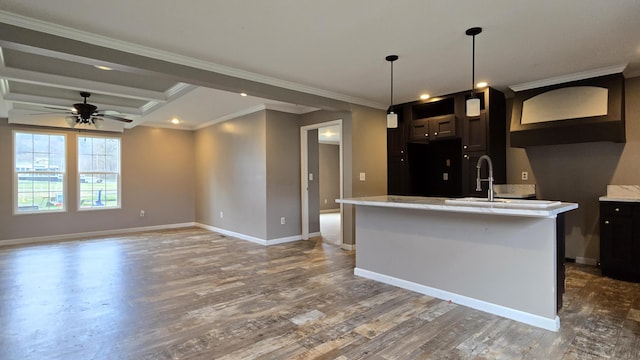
(73, 96)
(48, 65)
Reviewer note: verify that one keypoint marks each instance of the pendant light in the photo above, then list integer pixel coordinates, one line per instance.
(473, 103)
(392, 117)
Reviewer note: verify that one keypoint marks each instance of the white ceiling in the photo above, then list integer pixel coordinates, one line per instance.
(308, 54)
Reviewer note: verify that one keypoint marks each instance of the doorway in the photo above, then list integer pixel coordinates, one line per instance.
(314, 220)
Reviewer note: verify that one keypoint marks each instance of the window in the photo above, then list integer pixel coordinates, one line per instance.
(99, 172)
(39, 172)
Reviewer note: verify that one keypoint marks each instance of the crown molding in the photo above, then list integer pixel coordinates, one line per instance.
(234, 115)
(568, 78)
(79, 35)
(290, 108)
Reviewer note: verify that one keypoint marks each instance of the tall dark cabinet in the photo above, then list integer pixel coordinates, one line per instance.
(435, 148)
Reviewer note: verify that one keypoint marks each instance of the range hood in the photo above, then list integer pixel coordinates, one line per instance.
(585, 110)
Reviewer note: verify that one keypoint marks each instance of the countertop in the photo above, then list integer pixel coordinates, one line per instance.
(439, 204)
(619, 199)
(622, 193)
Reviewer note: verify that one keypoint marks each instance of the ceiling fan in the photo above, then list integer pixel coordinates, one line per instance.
(85, 113)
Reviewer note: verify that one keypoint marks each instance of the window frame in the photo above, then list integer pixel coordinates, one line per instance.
(80, 174)
(15, 193)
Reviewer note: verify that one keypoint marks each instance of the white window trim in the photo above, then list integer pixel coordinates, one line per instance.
(15, 198)
(78, 189)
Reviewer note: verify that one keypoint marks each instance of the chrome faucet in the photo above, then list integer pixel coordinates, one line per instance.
(489, 179)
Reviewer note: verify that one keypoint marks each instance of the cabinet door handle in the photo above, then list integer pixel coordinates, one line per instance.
(427, 135)
(401, 151)
(435, 134)
(401, 159)
(617, 209)
(465, 147)
(466, 156)
(606, 222)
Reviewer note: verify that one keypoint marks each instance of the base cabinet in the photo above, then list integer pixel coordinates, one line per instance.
(620, 240)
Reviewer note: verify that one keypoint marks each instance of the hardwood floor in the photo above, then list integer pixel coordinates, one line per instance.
(194, 294)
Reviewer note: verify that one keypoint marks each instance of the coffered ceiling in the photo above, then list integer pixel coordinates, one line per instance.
(170, 60)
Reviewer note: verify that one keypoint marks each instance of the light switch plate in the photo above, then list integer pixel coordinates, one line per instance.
(363, 176)
(310, 176)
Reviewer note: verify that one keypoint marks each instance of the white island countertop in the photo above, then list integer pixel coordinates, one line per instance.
(441, 204)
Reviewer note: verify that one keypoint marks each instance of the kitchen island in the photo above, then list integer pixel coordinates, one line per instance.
(504, 258)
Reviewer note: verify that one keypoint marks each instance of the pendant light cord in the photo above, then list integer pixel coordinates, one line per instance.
(391, 59)
(473, 68)
(391, 100)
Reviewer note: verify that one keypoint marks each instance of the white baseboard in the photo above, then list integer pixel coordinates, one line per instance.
(314, 234)
(73, 236)
(517, 315)
(349, 247)
(249, 237)
(586, 261)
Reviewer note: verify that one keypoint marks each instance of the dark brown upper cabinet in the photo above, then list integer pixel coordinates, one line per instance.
(579, 111)
(433, 128)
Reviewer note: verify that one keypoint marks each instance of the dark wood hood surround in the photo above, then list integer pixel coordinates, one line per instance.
(605, 126)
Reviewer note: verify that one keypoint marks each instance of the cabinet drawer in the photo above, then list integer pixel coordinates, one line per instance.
(616, 209)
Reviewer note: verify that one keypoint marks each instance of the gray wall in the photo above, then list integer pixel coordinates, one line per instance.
(329, 176)
(248, 168)
(580, 173)
(231, 167)
(157, 176)
(369, 151)
(283, 174)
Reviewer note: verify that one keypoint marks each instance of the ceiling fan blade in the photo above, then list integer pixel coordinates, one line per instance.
(112, 117)
(53, 113)
(57, 108)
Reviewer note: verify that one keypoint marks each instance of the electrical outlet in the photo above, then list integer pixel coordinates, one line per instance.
(525, 175)
(221, 214)
(141, 213)
(282, 220)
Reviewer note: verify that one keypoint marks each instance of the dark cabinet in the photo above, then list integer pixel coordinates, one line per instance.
(485, 134)
(474, 133)
(397, 171)
(420, 130)
(433, 128)
(620, 240)
(443, 163)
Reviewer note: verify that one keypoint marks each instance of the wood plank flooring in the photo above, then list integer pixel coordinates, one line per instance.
(194, 294)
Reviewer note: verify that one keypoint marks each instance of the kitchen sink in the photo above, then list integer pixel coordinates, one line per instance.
(515, 203)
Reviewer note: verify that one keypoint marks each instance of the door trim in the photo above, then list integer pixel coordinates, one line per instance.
(304, 174)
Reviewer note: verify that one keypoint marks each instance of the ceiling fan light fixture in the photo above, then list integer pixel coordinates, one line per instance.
(473, 103)
(98, 122)
(71, 121)
(392, 117)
